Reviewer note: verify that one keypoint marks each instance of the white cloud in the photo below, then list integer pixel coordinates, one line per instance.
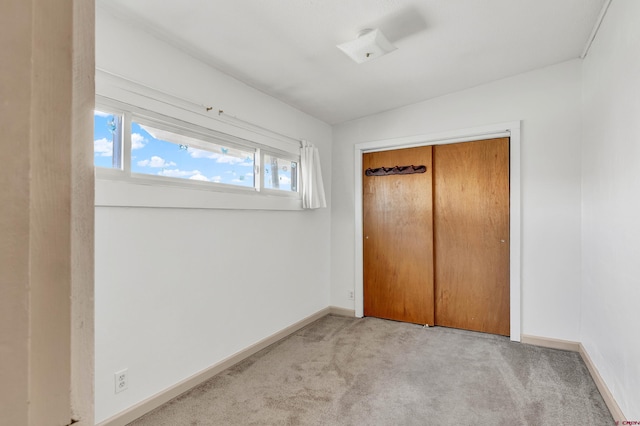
(102, 114)
(156, 161)
(137, 141)
(232, 160)
(200, 153)
(217, 179)
(179, 173)
(103, 147)
(200, 177)
(284, 180)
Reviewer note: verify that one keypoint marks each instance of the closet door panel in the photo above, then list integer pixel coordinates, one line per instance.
(471, 235)
(398, 238)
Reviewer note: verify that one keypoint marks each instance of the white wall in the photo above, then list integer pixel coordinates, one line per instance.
(611, 202)
(178, 290)
(548, 103)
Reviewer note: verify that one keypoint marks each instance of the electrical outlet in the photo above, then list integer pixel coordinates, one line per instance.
(122, 380)
(350, 295)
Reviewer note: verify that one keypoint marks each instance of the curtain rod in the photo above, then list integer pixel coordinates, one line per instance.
(207, 109)
(221, 113)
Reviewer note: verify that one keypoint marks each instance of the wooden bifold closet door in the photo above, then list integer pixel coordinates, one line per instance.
(436, 244)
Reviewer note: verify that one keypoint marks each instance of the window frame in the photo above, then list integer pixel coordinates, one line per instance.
(283, 156)
(112, 111)
(203, 138)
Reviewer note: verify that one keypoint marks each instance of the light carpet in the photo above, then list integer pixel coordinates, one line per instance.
(349, 371)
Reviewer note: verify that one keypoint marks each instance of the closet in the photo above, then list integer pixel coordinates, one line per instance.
(436, 235)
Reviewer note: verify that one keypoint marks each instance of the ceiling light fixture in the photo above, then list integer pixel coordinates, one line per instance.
(369, 45)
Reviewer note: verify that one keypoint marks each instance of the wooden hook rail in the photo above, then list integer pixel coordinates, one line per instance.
(396, 170)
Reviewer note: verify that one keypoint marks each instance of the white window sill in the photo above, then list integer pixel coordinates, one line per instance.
(126, 193)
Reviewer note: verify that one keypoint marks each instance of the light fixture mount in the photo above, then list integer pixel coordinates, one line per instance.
(369, 45)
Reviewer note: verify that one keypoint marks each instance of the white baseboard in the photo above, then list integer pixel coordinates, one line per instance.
(155, 401)
(613, 406)
(546, 342)
(567, 345)
(343, 312)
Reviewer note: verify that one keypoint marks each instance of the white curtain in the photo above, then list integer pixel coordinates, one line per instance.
(312, 186)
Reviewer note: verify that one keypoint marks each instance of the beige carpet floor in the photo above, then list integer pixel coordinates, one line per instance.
(347, 371)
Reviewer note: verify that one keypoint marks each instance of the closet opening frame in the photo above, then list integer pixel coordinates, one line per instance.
(508, 129)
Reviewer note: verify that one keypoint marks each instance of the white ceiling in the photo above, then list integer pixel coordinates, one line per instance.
(287, 48)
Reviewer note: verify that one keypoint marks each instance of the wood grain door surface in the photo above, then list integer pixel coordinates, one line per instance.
(471, 235)
(398, 238)
(436, 244)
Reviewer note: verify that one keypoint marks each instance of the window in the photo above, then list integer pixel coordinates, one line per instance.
(107, 140)
(160, 152)
(143, 147)
(280, 174)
